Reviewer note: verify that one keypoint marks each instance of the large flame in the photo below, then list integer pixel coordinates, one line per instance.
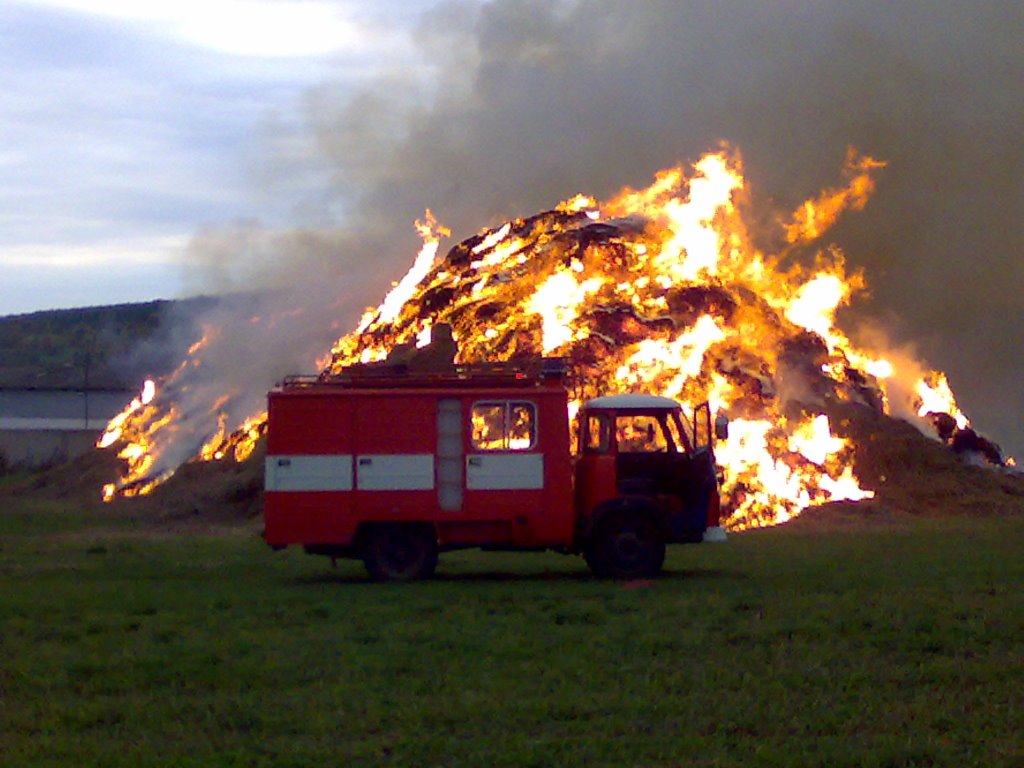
(658, 290)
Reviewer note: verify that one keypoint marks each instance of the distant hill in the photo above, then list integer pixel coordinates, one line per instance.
(96, 347)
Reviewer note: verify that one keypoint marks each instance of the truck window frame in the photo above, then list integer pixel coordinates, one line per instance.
(686, 440)
(603, 444)
(507, 407)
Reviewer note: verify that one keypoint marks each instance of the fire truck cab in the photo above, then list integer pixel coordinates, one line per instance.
(393, 466)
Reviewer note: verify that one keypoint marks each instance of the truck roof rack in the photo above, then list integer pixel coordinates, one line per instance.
(514, 373)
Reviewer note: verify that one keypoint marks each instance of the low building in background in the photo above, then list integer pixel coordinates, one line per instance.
(45, 426)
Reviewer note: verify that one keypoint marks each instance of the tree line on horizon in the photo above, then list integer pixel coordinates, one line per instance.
(105, 347)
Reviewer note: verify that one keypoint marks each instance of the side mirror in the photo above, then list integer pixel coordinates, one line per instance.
(721, 427)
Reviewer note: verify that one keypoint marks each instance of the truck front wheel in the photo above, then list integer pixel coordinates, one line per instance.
(400, 552)
(625, 546)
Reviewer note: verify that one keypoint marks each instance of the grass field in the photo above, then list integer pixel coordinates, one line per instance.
(125, 645)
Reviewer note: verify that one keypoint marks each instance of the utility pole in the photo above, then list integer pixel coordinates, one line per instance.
(85, 356)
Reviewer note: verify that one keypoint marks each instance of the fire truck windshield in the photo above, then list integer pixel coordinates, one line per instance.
(641, 433)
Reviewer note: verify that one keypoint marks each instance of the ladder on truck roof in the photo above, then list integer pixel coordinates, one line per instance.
(513, 373)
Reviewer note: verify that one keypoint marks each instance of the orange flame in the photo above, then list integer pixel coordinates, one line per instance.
(936, 397)
(657, 290)
(659, 244)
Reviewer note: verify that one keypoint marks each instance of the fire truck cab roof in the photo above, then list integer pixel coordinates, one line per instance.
(632, 403)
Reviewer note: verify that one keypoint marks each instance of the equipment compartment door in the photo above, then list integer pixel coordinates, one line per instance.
(394, 435)
(504, 471)
(504, 466)
(395, 472)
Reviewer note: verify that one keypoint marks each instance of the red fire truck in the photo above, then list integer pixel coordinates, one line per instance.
(393, 466)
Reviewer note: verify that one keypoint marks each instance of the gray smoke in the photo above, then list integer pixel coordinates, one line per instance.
(521, 103)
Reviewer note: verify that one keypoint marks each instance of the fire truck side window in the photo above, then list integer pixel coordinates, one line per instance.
(504, 426)
(598, 433)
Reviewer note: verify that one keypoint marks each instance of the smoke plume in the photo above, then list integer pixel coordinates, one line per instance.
(520, 103)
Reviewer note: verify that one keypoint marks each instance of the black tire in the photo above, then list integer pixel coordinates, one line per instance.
(400, 552)
(626, 546)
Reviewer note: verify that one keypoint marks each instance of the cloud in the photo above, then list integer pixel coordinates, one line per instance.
(254, 28)
(108, 255)
(105, 137)
(117, 134)
(83, 284)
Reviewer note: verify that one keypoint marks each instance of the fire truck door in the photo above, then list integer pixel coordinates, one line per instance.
(504, 465)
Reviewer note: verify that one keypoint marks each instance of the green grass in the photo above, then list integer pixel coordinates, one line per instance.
(898, 647)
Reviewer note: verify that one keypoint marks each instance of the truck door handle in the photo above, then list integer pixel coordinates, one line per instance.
(476, 461)
(365, 462)
(284, 462)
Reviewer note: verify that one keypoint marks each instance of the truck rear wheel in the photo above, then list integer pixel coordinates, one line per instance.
(625, 546)
(400, 552)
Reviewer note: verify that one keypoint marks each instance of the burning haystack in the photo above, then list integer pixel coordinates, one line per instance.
(658, 290)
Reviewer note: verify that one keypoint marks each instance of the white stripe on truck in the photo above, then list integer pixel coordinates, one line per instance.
(395, 472)
(309, 473)
(400, 472)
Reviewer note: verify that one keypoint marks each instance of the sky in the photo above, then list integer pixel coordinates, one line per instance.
(126, 127)
(159, 149)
